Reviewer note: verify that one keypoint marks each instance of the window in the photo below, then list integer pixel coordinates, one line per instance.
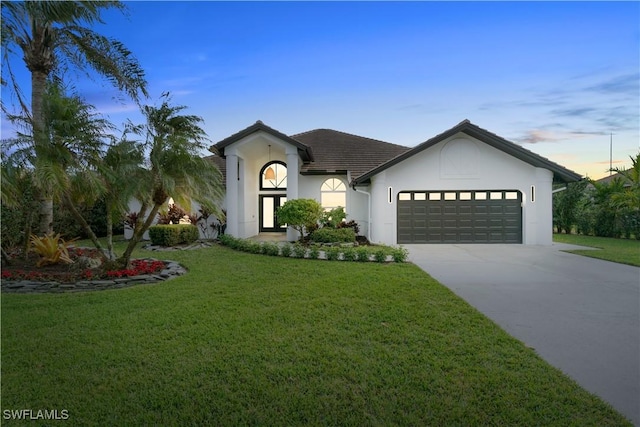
(333, 193)
(273, 176)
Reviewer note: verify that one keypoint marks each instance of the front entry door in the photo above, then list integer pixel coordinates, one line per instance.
(268, 206)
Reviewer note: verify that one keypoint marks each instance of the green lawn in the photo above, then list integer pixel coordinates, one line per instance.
(254, 340)
(624, 251)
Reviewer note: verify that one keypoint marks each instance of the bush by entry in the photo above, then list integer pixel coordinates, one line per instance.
(173, 234)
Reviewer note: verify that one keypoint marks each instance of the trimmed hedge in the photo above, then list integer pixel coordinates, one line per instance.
(333, 235)
(173, 234)
(378, 253)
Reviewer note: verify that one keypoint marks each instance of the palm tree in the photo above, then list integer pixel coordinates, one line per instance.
(627, 200)
(121, 170)
(175, 168)
(65, 161)
(54, 35)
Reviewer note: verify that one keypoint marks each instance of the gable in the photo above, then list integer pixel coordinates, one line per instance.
(303, 150)
(560, 173)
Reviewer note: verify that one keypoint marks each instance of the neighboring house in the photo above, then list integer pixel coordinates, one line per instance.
(466, 185)
(614, 176)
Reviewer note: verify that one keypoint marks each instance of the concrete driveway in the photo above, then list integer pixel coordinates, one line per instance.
(580, 314)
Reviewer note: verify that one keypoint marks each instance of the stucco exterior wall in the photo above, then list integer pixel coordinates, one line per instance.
(463, 163)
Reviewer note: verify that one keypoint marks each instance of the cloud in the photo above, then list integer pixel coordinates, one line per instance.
(628, 84)
(535, 136)
(410, 107)
(574, 111)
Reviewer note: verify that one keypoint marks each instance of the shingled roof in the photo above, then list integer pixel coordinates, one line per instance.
(326, 151)
(339, 152)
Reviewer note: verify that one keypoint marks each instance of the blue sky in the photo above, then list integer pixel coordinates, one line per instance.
(555, 77)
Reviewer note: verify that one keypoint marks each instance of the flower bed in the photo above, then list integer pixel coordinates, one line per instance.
(376, 253)
(143, 272)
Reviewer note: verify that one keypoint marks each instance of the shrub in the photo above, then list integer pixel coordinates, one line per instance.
(299, 251)
(380, 255)
(286, 250)
(253, 247)
(300, 214)
(399, 254)
(333, 235)
(314, 252)
(363, 253)
(269, 248)
(225, 239)
(332, 218)
(332, 253)
(171, 235)
(349, 254)
(350, 224)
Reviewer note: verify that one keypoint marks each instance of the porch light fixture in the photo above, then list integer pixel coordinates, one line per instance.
(269, 173)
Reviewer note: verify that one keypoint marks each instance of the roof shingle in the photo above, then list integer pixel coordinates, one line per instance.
(339, 152)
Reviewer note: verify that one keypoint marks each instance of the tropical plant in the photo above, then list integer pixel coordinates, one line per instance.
(565, 205)
(120, 170)
(51, 248)
(64, 162)
(173, 215)
(300, 214)
(53, 36)
(627, 201)
(174, 167)
(350, 224)
(19, 206)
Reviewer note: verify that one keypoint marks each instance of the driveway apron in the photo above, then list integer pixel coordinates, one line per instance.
(580, 314)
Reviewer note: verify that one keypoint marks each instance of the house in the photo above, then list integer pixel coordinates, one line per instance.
(465, 185)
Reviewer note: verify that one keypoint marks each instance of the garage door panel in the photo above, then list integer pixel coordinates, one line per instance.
(434, 210)
(450, 210)
(465, 210)
(480, 209)
(434, 219)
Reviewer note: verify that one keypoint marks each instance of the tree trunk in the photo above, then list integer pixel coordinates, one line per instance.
(85, 225)
(45, 220)
(38, 87)
(110, 233)
(27, 235)
(5, 257)
(138, 233)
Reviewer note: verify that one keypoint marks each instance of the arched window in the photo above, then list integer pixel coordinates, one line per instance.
(333, 193)
(273, 176)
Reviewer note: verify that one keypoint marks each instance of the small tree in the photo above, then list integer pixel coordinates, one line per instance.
(300, 214)
(333, 217)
